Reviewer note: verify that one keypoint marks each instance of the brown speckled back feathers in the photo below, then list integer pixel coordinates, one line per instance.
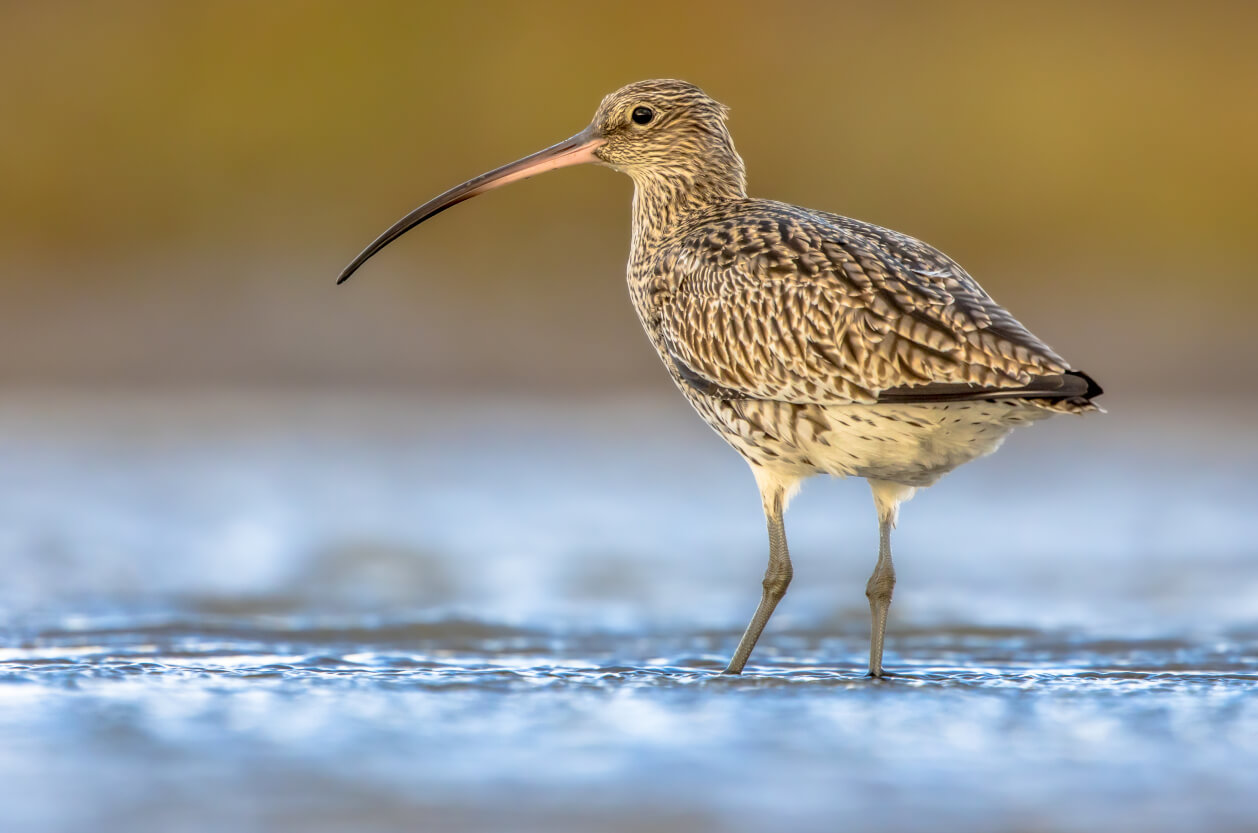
(766, 300)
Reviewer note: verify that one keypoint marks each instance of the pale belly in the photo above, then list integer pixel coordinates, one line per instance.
(911, 445)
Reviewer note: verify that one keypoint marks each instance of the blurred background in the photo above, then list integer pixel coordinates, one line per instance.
(182, 182)
(444, 544)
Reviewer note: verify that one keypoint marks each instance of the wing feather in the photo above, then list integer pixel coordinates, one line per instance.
(795, 306)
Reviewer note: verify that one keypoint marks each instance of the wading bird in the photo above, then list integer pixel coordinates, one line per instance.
(812, 343)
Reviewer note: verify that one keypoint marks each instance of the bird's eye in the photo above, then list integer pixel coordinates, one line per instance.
(643, 115)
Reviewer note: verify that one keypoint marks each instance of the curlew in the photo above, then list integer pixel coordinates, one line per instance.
(811, 343)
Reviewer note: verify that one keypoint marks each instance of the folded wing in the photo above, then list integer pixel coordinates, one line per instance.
(783, 304)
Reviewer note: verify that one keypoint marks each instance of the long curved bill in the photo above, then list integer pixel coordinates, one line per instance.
(576, 150)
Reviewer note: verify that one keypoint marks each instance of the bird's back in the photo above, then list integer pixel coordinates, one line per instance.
(756, 299)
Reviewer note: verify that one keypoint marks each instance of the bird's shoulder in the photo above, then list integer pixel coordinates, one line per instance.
(785, 303)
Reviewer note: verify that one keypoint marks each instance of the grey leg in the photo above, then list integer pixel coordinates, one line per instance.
(878, 589)
(776, 578)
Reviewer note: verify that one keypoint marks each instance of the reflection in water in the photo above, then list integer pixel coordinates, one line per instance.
(391, 614)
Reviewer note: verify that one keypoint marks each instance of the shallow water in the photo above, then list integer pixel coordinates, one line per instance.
(388, 613)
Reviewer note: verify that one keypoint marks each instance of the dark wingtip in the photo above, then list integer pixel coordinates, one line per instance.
(1073, 386)
(1094, 390)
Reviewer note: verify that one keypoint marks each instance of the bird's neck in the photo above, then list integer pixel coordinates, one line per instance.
(663, 200)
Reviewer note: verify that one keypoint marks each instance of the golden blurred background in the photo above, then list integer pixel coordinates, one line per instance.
(182, 182)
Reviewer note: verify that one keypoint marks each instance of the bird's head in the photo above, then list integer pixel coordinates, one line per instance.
(665, 134)
(663, 129)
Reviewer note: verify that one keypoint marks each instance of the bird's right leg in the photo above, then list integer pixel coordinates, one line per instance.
(878, 590)
(887, 499)
(774, 493)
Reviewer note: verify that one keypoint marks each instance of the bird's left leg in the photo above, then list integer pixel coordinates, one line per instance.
(887, 499)
(775, 493)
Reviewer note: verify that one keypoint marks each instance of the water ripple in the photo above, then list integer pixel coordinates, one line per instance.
(507, 658)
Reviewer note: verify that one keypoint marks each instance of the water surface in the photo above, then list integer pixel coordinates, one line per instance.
(398, 613)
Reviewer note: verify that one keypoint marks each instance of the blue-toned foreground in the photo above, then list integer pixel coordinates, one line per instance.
(327, 614)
